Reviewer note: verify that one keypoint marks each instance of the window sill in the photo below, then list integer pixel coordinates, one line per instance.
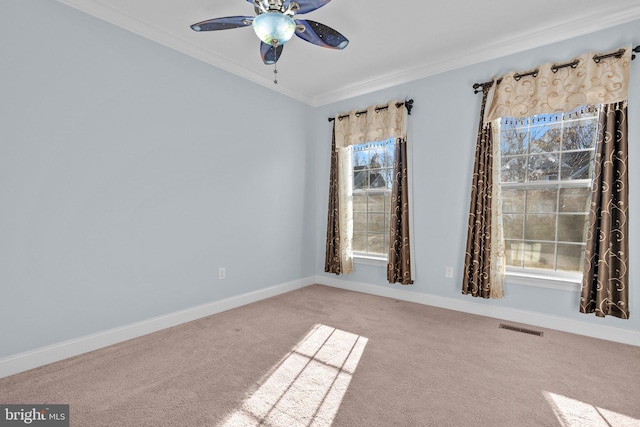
(563, 282)
(370, 260)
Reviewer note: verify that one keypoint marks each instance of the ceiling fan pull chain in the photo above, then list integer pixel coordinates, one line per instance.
(275, 44)
(275, 73)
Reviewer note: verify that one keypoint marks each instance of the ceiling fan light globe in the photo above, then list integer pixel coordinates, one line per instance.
(273, 27)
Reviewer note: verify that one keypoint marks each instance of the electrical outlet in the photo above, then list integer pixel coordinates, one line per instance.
(222, 274)
(448, 272)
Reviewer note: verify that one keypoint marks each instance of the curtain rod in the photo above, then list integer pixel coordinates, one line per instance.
(408, 103)
(478, 87)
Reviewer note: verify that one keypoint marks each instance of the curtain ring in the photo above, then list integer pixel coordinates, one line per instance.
(518, 76)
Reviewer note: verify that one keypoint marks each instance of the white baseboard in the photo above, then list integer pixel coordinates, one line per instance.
(610, 333)
(53, 353)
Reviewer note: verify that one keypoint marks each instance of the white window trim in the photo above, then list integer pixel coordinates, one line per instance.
(366, 259)
(544, 279)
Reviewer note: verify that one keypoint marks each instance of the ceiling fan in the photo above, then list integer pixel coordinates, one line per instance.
(274, 25)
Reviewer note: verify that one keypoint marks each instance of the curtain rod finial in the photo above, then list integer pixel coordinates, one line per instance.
(409, 105)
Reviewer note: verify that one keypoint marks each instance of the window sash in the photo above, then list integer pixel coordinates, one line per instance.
(371, 221)
(381, 233)
(528, 268)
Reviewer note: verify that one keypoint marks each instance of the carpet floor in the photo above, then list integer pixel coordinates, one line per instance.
(326, 356)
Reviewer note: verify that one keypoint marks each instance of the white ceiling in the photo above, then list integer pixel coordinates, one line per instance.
(391, 42)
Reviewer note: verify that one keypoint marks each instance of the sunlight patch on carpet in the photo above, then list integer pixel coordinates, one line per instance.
(574, 413)
(307, 386)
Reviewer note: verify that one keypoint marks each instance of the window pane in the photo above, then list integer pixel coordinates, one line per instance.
(359, 156)
(360, 202)
(542, 201)
(513, 140)
(513, 252)
(539, 255)
(512, 201)
(376, 203)
(359, 242)
(513, 169)
(360, 222)
(377, 179)
(512, 226)
(579, 135)
(572, 228)
(360, 177)
(376, 223)
(542, 167)
(388, 176)
(575, 199)
(570, 257)
(377, 244)
(540, 227)
(378, 160)
(576, 165)
(545, 138)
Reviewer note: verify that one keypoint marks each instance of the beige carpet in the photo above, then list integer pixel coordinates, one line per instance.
(322, 356)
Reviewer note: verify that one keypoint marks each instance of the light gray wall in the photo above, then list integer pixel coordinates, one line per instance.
(129, 173)
(444, 124)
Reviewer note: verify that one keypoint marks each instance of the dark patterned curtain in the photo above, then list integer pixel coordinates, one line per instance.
(332, 262)
(605, 284)
(399, 264)
(478, 257)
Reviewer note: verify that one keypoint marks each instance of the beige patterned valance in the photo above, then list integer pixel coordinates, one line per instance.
(374, 125)
(604, 82)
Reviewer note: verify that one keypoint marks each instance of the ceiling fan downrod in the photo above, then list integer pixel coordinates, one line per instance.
(265, 6)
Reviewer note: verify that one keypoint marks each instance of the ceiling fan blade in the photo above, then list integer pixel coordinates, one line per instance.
(319, 34)
(307, 6)
(270, 54)
(225, 23)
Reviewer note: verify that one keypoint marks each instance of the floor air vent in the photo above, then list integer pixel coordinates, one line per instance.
(523, 330)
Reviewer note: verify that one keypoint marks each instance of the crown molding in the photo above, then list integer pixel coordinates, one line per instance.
(569, 28)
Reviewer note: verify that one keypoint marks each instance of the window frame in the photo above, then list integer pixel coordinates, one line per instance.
(366, 257)
(540, 277)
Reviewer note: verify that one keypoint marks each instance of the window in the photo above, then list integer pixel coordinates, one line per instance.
(546, 169)
(372, 184)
